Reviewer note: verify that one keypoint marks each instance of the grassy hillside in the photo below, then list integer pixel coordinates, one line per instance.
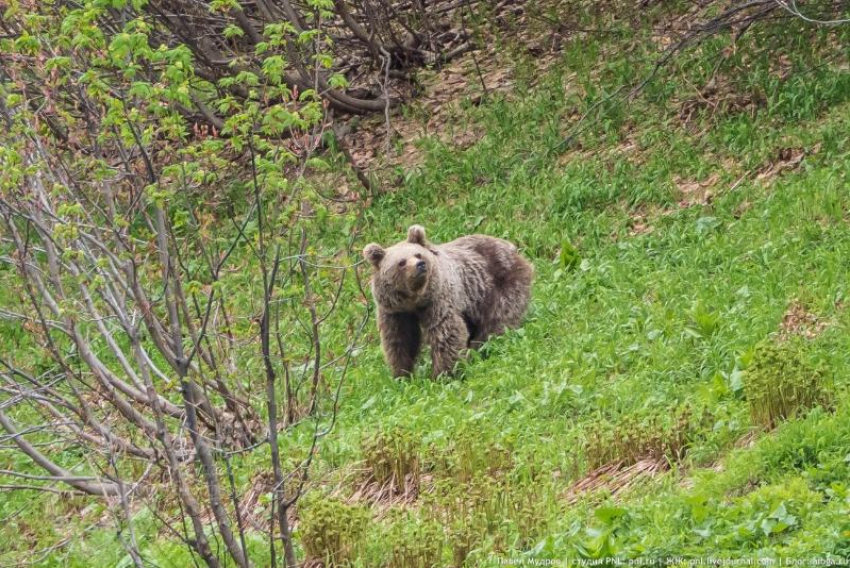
(691, 249)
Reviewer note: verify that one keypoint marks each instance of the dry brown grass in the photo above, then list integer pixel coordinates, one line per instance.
(614, 478)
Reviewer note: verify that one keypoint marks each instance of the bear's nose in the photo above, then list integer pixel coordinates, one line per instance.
(420, 266)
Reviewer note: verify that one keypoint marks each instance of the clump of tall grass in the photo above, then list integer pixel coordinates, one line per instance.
(393, 459)
(470, 456)
(505, 513)
(332, 531)
(415, 544)
(781, 384)
(659, 436)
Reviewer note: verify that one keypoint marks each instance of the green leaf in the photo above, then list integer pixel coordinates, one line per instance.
(57, 62)
(224, 5)
(736, 380)
(706, 225)
(338, 81)
(609, 514)
(324, 60)
(569, 257)
(232, 30)
(273, 68)
(140, 90)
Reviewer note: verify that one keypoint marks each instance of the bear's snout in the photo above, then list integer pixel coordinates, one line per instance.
(418, 275)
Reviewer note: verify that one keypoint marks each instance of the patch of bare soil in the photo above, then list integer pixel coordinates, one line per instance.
(785, 160)
(672, 29)
(641, 220)
(691, 193)
(717, 99)
(799, 321)
(379, 144)
(720, 96)
(696, 192)
(251, 509)
(614, 478)
(742, 208)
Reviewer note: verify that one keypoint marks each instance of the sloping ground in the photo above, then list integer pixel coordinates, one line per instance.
(617, 421)
(531, 453)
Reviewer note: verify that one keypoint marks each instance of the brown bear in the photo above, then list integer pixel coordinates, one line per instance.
(454, 296)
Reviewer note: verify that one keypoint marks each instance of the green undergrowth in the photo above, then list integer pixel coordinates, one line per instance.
(655, 332)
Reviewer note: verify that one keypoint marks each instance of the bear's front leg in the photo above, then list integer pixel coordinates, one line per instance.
(400, 338)
(447, 340)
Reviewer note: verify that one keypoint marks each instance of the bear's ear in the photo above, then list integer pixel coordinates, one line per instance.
(374, 253)
(416, 235)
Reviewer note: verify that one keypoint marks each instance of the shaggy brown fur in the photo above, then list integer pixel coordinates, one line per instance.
(454, 296)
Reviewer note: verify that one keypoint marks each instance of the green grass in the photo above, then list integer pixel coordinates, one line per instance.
(623, 332)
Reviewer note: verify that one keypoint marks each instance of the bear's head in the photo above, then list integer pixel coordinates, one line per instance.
(403, 271)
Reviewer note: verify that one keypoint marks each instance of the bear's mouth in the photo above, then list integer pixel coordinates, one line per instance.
(418, 280)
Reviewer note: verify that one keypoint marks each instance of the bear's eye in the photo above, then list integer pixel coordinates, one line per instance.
(417, 255)
(401, 263)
